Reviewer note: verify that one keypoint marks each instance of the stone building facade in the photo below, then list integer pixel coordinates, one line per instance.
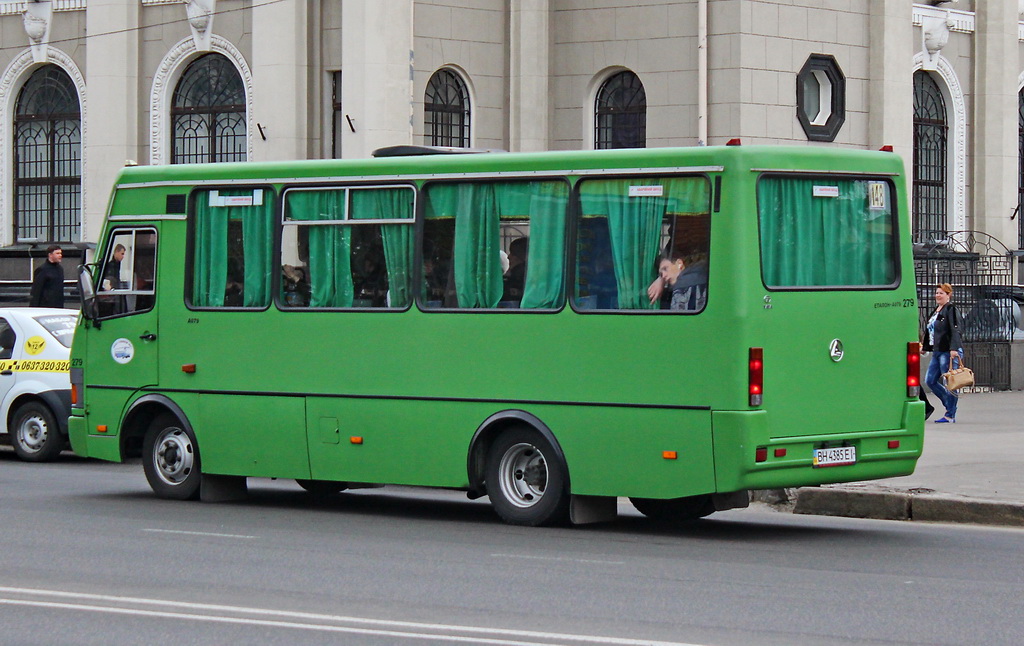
(86, 85)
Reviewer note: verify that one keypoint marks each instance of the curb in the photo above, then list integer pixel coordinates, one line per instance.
(919, 504)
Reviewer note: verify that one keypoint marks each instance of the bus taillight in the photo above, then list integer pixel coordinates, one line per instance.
(755, 376)
(77, 382)
(913, 370)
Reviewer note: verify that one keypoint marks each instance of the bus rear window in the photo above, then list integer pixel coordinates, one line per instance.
(826, 232)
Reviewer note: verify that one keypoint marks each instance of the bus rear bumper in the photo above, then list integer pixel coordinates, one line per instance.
(747, 457)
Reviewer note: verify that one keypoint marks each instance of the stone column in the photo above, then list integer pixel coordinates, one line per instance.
(280, 72)
(112, 77)
(376, 75)
(891, 84)
(995, 119)
(529, 71)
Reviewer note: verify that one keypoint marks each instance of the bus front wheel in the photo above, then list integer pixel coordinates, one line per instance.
(526, 482)
(171, 460)
(674, 509)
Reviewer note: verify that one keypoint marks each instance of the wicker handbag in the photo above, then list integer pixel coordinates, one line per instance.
(958, 378)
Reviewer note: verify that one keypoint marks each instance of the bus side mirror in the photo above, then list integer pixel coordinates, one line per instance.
(88, 291)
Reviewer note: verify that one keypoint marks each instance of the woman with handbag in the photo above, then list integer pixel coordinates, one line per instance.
(942, 338)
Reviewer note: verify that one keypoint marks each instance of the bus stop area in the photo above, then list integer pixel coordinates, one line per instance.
(970, 472)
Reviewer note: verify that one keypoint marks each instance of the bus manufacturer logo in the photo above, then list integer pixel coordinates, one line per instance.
(835, 350)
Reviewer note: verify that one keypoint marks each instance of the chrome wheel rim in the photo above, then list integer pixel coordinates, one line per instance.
(32, 434)
(173, 456)
(523, 475)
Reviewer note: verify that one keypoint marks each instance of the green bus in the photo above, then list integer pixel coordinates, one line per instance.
(553, 330)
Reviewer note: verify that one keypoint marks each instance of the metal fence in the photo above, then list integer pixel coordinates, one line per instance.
(980, 269)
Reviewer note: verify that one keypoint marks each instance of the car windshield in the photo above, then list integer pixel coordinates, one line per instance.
(61, 327)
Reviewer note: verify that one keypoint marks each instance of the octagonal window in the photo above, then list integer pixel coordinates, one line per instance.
(821, 97)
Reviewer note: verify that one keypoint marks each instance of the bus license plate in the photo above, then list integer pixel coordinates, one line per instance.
(835, 457)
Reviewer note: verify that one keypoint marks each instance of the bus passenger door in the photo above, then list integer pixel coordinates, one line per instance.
(123, 340)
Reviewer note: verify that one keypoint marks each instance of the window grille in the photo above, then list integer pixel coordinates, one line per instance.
(446, 110)
(621, 113)
(48, 159)
(209, 113)
(930, 146)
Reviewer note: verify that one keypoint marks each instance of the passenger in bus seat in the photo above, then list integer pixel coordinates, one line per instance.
(515, 276)
(942, 339)
(686, 278)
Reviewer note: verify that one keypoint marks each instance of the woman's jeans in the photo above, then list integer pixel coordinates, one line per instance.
(939, 366)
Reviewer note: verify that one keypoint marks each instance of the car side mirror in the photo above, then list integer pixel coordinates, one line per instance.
(88, 291)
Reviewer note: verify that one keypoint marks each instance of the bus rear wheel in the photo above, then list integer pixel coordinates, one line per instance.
(34, 433)
(675, 509)
(170, 458)
(526, 482)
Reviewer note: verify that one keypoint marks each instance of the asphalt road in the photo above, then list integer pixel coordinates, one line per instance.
(89, 556)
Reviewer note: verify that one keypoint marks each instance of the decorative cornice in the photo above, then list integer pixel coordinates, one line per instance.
(12, 7)
(10, 85)
(956, 219)
(166, 78)
(963, 21)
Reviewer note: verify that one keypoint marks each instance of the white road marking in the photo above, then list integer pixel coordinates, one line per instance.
(555, 558)
(306, 621)
(178, 531)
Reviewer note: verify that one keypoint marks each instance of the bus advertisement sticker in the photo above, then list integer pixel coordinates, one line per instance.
(122, 350)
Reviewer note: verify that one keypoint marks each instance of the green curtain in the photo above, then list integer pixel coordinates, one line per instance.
(635, 226)
(545, 268)
(211, 268)
(809, 241)
(477, 263)
(391, 204)
(258, 246)
(330, 246)
(210, 275)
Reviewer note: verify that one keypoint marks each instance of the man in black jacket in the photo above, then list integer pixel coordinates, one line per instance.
(48, 280)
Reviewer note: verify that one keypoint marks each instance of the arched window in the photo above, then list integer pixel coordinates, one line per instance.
(209, 113)
(48, 159)
(930, 133)
(620, 113)
(446, 110)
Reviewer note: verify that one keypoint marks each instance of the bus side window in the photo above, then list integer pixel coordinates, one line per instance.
(347, 247)
(495, 244)
(128, 276)
(643, 244)
(232, 248)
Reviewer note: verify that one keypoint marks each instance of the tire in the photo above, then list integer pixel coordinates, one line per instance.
(170, 458)
(526, 480)
(322, 488)
(675, 510)
(35, 434)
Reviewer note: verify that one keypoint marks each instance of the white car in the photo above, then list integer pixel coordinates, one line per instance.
(35, 387)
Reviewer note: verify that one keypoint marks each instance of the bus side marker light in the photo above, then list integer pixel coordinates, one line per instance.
(189, 368)
(670, 455)
(780, 453)
(101, 428)
(761, 454)
(894, 444)
(355, 440)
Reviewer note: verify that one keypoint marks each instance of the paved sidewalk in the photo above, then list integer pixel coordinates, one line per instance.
(971, 471)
